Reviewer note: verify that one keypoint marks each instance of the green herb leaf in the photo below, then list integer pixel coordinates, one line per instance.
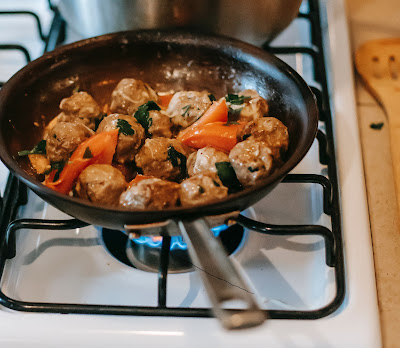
(230, 123)
(235, 99)
(142, 114)
(212, 97)
(125, 127)
(377, 126)
(40, 149)
(98, 120)
(87, 153)
(233, 114)
(228, 176)
(59, 166)
(186, 109)
(245, 136)
(178, 160)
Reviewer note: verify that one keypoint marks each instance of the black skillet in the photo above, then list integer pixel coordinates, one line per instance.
(166, 60)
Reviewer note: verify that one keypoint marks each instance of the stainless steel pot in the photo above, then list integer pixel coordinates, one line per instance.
(254, 21)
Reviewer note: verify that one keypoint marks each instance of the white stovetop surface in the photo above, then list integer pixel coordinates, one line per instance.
(354, 324)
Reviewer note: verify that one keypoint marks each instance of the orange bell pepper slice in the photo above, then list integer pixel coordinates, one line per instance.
(217, 112)
(164, 99)
(99, 149)
(219, 135)
(138, 178)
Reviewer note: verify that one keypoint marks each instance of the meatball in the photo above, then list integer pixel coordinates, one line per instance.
(160, 124)
(80, 107)
(130, 139)
(202, 188)
(163, 158)
(101, 183)
(129, 95)
(188, 106)
(271, 131)
(151, 193)
(252, 161)
(204, 160)
(64, 138)
(252, 108)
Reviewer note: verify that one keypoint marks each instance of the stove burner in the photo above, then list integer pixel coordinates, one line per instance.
(144, 253)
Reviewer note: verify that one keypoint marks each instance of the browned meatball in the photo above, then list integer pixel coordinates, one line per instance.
(151, 193)
(129, 95)
(130, 139)
(188, 106)
(64, 138)
(252, 161)
(163, 158)
(80, 107)
(204, 160)
(252, 108)
(101, 183)
(160, 124)
(202, 188)
(271, 131)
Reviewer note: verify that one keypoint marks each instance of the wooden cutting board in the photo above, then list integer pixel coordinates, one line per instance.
(378, 63)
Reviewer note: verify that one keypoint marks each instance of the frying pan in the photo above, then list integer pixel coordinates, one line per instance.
(167, 60)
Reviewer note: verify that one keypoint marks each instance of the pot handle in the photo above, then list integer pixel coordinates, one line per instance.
(221, 279)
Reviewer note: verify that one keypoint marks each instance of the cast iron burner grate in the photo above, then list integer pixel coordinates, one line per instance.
(16, 195)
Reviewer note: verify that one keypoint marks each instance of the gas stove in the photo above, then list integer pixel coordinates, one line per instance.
(310, 267)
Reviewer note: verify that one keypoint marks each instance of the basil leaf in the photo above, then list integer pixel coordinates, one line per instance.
(233, 114)
(39, 149)
(98, 120)
(377, 126)
(229, 123)
(125, 127)
(235, 99)
(228, 176)
(212, 97)
(186, 109)
(142, 114)
(87, 153)
(59, 166)
(178, 160)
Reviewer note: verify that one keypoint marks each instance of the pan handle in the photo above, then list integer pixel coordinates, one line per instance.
(221, 279)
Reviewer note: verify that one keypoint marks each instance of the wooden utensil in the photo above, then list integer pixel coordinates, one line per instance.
(378, 63)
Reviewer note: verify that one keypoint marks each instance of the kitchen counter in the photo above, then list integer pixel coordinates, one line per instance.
(370, 20)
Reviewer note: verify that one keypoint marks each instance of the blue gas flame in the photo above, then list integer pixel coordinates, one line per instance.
(176, 242)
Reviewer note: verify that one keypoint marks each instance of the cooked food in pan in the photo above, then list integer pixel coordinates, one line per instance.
(149, 150)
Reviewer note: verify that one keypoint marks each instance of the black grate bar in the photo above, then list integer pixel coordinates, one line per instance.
(72, 308)
(34, 224)
(163, 271)
(314, 179)
(12, 200)
(312, 52)
(17, 48)
(28, 13)
(294, 230)
(323, 147)
(320, 103)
